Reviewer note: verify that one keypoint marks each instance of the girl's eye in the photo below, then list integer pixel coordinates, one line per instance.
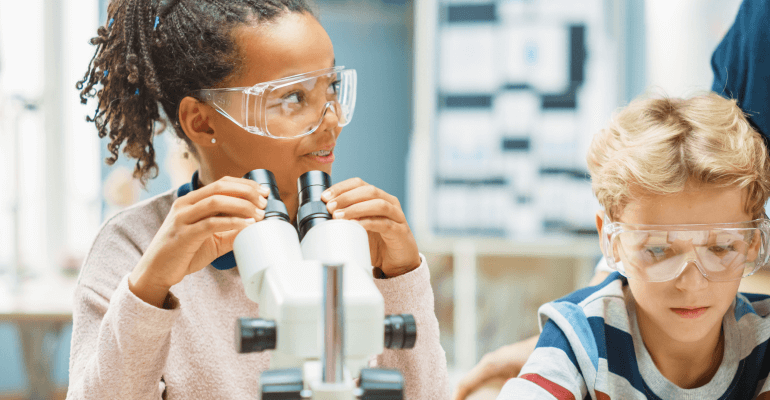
(334, 88)
(294, 97)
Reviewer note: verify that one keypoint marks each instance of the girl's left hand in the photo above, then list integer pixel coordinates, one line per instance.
(391, 242)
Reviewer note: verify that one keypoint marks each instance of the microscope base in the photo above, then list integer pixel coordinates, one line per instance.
(307, 383)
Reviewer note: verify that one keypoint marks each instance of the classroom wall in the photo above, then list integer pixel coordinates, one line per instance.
(375, 38)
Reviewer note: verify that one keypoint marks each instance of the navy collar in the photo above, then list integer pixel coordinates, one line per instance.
(226, 261)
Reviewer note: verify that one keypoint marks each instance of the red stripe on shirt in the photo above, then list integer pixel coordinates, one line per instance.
(552, 388)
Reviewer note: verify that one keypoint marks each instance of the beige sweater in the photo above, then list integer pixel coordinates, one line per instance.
(122, 347)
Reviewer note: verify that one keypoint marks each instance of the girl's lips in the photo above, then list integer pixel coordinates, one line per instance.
(690, 313)
(323, 159)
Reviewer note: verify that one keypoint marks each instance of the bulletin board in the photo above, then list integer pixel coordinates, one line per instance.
(520, 88)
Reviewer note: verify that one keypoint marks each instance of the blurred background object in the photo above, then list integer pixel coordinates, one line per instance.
(476, 114)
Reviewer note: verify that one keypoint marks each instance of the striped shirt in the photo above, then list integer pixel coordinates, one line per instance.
(590, 348)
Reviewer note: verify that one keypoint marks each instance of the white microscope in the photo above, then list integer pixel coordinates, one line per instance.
(321, 313)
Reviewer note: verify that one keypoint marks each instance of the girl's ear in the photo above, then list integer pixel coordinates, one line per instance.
(194, 119)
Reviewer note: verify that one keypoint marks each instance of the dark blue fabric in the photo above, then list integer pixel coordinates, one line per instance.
(553, 336)
(741, 63)
(621, 359)
(226, 261)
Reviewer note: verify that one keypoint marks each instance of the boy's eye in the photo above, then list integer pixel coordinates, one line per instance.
(721, 250)
(657, 252)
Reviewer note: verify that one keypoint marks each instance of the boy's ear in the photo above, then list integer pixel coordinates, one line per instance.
(599, 225)
(194, 119)
(756, 244)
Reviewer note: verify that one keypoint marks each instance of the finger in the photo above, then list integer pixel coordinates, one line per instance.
(216, 225)
(381, 225)
(222, 205)
(342, 187)
(214, 247)
(264, 190)
(371, 208)
(234, 187)
(360, 194)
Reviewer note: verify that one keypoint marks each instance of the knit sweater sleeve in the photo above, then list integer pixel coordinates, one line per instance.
(424, 367)
(119, 342)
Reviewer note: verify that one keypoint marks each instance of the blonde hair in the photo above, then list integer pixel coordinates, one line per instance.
(656, 146)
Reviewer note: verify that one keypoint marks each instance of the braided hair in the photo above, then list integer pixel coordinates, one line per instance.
(151, 54)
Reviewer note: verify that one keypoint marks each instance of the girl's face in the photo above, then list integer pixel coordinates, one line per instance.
(291, 44)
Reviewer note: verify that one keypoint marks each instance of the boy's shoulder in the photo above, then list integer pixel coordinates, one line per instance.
(612, 286)
(752, 303)
(587, 318)
(606, 301)
(575, 332)
(752, 317)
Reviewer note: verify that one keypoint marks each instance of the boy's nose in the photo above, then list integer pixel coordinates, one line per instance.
(691, 279)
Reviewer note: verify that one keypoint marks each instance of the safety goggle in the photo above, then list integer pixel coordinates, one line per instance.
(659, 253)
(288, 107)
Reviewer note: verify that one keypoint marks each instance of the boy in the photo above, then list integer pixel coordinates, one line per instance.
(683, 184)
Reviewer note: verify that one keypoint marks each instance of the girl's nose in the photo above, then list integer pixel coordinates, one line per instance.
(329, 118)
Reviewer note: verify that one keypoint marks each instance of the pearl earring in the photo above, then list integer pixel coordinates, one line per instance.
(213, 140)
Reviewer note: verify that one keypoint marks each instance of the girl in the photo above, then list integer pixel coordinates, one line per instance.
(158, 296)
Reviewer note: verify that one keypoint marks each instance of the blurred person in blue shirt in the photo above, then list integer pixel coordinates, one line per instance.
(741, 63)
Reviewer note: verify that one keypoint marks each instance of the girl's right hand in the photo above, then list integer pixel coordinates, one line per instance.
(200, 227)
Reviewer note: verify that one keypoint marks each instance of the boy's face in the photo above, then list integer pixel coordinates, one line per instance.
(689, 307)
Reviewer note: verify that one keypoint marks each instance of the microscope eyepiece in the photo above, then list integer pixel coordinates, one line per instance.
(312, 210)
(275, 207)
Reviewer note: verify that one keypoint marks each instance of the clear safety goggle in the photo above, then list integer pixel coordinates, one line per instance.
(288, 107)
(659, 253)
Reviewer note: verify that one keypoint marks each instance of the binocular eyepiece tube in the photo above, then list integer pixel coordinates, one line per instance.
(312, 210)
(275, 208)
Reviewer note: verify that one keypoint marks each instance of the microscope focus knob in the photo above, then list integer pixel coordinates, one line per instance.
(255, 334)
(400, 331)
(381, 384)
(282, 384)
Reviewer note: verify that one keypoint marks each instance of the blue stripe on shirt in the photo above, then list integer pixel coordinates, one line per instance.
(552, 336)
(621, 359)
(754, 297)
(741, 308)
(579, 323)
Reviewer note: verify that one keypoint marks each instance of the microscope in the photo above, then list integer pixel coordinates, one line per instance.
(321, 313)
